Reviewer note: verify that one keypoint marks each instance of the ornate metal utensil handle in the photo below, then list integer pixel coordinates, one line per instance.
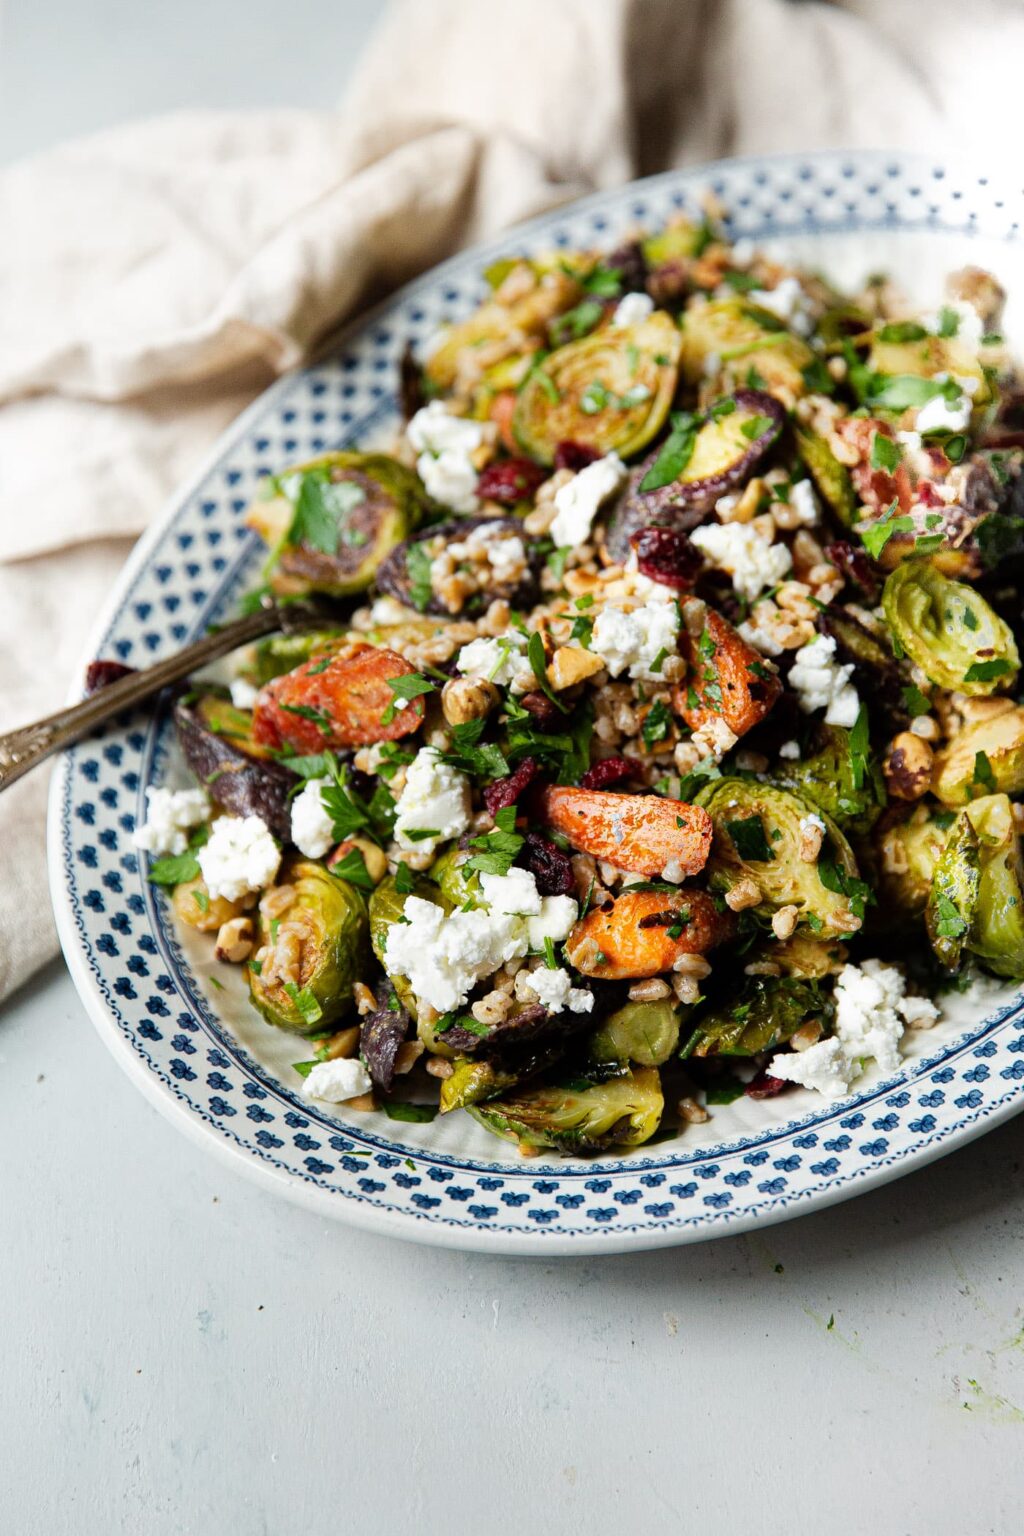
(24, 747)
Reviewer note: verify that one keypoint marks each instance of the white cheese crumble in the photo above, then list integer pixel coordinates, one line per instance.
(241, 856)
(436, 799)
(748, 558)
(555, 991)
(170, 816)
(871, 1010)
(243, 693)
(820, 682)
(515, 893)
(312, 825)
(633, 309)
(804, 502)
(577, 502)
(788, 301)
(445, 444)
(812, 821)
(790, 750)
(942, 415)
(634, 640)
(336, 1081)
(970, 328)
(554, 921)
(502, 662)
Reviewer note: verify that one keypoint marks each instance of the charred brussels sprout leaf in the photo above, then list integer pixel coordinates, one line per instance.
(997, 931)
(1000, 740)
(610, 391)
(580, 1116)
(331, 522)
(828, 895)
(471, 1082)
(767, 1012)
(953, 899)
(949, 630)
(831, 478)
(647, 1033)
(240, 775)
(852, 795)
(328, 920)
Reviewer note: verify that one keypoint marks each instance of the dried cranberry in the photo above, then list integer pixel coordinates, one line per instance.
(764, 1086)
(544, 711)
(575, 456)
(668, 283)
(927, 495)
(631, 265)
(610, 770)
(666, 555)
(100, 674)
(857, 566)
(510, 481)
(506, 791)
(549, 866)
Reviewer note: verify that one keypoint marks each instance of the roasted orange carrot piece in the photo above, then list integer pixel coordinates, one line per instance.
(727, 680)
(503, 408)
(643, 834)
(339, 700)
(644, 933)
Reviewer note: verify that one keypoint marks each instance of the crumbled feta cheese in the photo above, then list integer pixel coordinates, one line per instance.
(515, 893)
(241, 856)
(502, 662)
(445, 956)
(787, 300)
(824, 1067)
(555, 991)
(312, 825)
(435, 429)
(740, 550)
(811, 821)
(635, 639)
(435, 798)
(790, 750)
(555, 921)
(243, 693)
(338, 1080)
(743, 252)
(170, 815)
(804, 502)
(633, 309)
(577, 502)
(450, 478)
(942, 415)
(820, 682)
(970, 327)
(445, 444)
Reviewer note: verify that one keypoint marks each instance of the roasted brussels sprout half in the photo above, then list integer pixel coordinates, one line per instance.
(241, 775)
(715, 457)
(312, 952)
(767, 1011)
(985, 755)
(997, 933)
(907, 855)
(579, 1115)
(853, 796)
(647, 1033)
(949, 630)
(757, 837)
(676, 242)
(471, 1082)
(734, 343)
(831, 478)
(458, 883)
(406, 573)
(611, 391)
(953, 899)
(514, 329)
(196, 908)
(330, 523)
(890, 362)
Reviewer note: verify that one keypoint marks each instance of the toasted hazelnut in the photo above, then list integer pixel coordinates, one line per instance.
(345, 1043)
(908, 766)
(572, 664)
(467, 698)
(234, 940)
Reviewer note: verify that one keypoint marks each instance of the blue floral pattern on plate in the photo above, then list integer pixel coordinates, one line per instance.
(169, 1026)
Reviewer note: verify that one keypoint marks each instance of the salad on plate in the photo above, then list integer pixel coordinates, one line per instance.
(667, 745)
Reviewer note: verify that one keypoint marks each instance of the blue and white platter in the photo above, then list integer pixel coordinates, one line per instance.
(210, 1063)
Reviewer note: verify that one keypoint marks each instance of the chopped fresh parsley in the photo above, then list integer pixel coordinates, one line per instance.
(482, 762)
(412, 685)
(983, 774)
(756, 427)
(656, 724)
(886, 453)
(413, 1114)
(985, 671)
(305, 1002)
(915, 700)
(497, 850)
(675, 452)
(749, 840)
(176, 868)
(417, 568)
(902, 330)
(318, 717)
(949, 921)
(353, 869)
(405, 881)
(323, 508)
(860, 748)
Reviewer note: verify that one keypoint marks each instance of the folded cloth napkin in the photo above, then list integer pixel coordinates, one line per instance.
(155, 277)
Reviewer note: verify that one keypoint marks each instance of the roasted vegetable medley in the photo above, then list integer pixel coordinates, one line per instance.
(668, 743)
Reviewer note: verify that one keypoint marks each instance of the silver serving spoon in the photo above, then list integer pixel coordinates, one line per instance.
(23, 748)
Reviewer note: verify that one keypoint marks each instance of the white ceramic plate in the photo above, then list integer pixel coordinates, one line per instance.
(204, 1056)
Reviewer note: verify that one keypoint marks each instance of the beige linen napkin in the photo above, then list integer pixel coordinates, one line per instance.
(155, 277)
